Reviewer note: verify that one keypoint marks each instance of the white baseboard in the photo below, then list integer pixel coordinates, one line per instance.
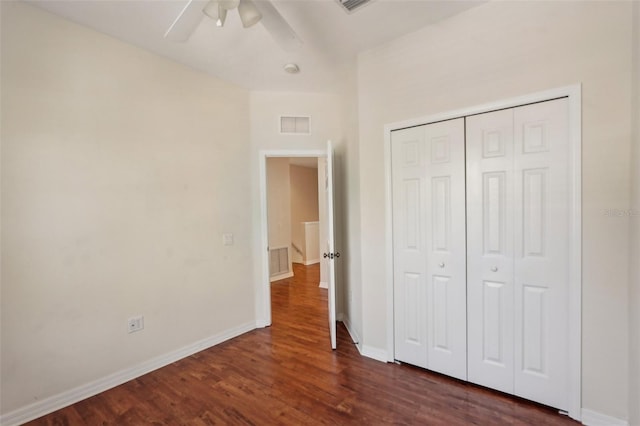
(262, 323)
(374, 353)
(354, 336)
(64, 399)
(593, 418)
(311, 262)
(368, 351)
(281, 276)
(323, 285)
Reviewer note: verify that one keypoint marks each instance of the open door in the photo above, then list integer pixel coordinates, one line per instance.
(330, 253)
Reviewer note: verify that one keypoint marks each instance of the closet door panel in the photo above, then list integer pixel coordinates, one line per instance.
(490, 286)
(541, 273)
(445, 240)
(409, 246)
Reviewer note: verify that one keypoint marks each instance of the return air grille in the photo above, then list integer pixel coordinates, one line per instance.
(294, 125)
(351, 5)
(279, 262)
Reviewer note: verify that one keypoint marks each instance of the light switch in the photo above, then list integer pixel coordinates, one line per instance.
(227, 239)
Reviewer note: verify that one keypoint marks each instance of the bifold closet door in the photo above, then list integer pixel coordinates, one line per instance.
(518, 251)
(428, 170)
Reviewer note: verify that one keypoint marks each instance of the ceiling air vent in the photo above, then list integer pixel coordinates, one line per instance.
(351, 5)
(294, 125)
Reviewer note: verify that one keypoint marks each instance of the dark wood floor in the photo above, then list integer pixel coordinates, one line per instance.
(287, 374)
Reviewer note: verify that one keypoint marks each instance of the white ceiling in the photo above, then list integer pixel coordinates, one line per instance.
(331, 38)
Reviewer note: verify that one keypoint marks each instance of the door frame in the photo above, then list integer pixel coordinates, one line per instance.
(264, 300)
(574, 95)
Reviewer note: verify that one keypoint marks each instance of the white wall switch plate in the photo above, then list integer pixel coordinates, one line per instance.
(227, 239)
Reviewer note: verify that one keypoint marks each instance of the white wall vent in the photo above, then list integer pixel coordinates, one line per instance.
(295, 125)
(351, 5)
(279, 261)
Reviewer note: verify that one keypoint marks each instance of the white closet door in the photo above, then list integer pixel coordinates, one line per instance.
(409, 246)
(541, 158)
(518, 230)
(429, 247)
(490, 288)
(445, 245)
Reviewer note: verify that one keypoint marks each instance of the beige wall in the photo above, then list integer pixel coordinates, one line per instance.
(120, 172)
(279, 203)
(304, 200)
(501, 50)
(634, 290)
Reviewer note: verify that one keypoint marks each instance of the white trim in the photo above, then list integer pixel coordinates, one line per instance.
(593, 418)
(323, 284)
(573, 93)
(374, 353)
(64, 399)
(263, 298)
(281, 276)
(575, 249)
(311, 262)
(261, 324)
(389, 240)
(354, 336)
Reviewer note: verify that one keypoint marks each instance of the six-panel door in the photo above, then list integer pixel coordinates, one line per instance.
(514, 297)
(429, 247)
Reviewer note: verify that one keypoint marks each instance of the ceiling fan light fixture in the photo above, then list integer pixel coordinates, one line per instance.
(249, 14)
(222, 15)
(229, 4)
(215, 11)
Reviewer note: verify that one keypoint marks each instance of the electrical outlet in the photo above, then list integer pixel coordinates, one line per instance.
(136, 323)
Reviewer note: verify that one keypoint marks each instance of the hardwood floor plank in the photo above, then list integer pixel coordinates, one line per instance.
(287, 374)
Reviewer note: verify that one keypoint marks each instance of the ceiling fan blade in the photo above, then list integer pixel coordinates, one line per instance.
(187, 21)
(277, 26)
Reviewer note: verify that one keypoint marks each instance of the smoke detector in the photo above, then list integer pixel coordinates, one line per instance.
(292, 68)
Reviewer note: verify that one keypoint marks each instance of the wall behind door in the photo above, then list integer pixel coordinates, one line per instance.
(501, 50)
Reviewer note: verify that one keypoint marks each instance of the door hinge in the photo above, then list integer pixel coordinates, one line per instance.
(331, 255)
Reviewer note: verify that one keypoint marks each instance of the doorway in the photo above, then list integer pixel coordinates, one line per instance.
(295, 222)
(327, 251)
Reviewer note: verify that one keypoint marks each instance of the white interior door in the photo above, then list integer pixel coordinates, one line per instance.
(429, 246)
(331, 253)
(541, 268)
(490, 250)
(518, 251)
(409, 246)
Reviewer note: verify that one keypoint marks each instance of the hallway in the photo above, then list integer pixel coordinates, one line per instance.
(286, 374)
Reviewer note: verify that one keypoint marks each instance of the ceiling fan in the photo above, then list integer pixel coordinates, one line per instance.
(250, 14)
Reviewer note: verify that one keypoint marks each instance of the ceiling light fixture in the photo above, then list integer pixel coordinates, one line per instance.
(292, 68)
(217, 10)
(249, 14)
